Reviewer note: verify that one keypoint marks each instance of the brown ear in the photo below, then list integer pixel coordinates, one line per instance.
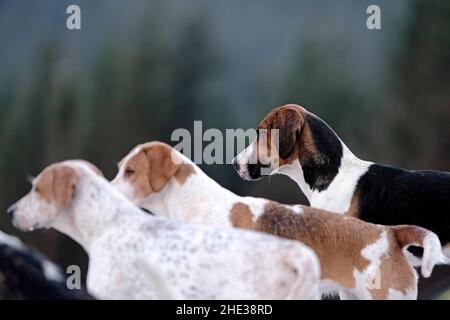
(58, 185)
(289, 123)
(64, 185)
(161, 166)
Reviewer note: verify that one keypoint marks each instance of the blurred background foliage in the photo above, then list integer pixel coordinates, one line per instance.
(140, 69)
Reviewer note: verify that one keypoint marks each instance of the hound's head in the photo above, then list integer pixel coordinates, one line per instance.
(148, 169)
(276, 144)
(51, 194)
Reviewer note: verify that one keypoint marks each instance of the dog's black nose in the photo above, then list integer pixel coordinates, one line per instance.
(10, 211)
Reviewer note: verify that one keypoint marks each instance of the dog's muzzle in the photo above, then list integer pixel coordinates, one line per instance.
(248, 171)
(236, 166)
(254, 171)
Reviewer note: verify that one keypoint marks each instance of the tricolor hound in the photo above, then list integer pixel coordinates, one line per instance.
(360, 259)
(133, 255)
(334, 179)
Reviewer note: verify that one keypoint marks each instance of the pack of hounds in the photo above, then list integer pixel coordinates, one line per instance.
(163, 229)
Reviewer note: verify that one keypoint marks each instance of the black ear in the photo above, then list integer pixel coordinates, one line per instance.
(289, 123)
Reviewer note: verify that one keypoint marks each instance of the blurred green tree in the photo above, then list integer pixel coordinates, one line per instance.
(328, 89)
(98, 111)
(413, 126)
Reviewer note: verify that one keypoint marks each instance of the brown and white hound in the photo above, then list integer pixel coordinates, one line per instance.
(358, 259)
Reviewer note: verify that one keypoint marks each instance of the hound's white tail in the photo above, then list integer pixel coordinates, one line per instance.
(416, 236)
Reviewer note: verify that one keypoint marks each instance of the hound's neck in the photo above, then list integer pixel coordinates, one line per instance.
(333, 193)
(96, 207)
(198, 200)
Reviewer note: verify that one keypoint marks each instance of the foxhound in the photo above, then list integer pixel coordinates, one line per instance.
(359, 259)
(25, 274)
(333, 178)
(133, 255)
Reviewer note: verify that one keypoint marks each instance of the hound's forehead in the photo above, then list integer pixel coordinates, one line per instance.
(268, 119)
(48, 169)
(290, 106)
(265, 123)
(78, 165)
(139, 148)
(130, 155)
(81, 165)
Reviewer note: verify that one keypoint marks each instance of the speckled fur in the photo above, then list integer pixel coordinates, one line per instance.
(347, 247)
(133, 255)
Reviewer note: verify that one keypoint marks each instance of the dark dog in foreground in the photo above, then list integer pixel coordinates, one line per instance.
(27, 275)
(334, 179)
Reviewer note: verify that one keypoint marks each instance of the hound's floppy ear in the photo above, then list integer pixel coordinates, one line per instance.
(161, 166)
(289, 123)
(57, 185)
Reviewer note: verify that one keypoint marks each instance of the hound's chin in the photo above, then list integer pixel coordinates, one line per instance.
(246, 176)
(25, 226)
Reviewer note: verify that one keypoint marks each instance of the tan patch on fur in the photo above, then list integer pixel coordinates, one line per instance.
(353, 211)
(56, 185)
(184, 171)
(161, 166)
(242, 216)
(153, 168)
(337, 240)
(140, 180)
(295, 134)
(44, 186)
(409, 235)
(395, 270)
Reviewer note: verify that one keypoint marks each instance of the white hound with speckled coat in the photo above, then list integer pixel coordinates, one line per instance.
(133, 255)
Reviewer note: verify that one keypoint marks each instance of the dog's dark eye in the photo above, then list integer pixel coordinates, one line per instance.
(129, 172)
(36, 189)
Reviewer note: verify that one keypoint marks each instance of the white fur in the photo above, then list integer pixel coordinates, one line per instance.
(371, 275)
(432, 254)
(133, 255)
(336, 198)
(410, 293)
(51, 271)
(201, 200)
(10, 241)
